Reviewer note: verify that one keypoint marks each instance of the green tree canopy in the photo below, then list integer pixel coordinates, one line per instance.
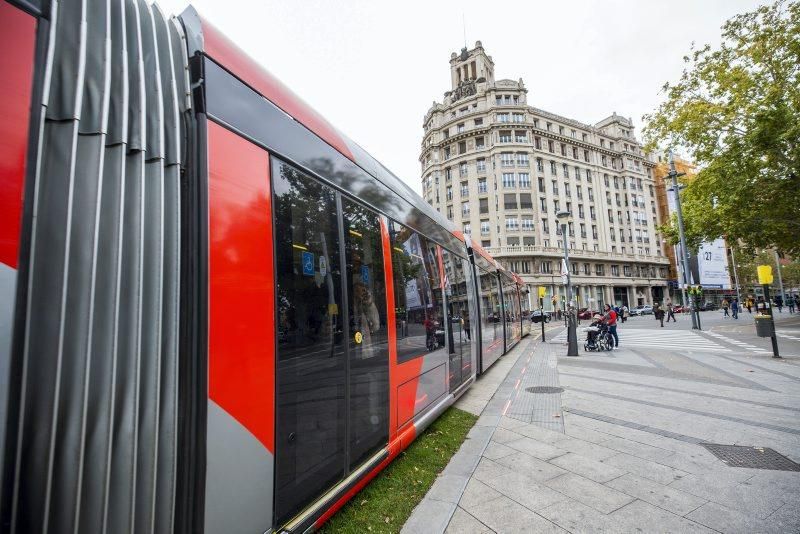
(736, 111)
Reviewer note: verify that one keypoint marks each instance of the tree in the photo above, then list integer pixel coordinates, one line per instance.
(736, 111)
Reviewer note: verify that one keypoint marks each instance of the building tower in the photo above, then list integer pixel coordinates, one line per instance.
(501, 169)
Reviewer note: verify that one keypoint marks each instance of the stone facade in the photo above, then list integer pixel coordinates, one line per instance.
(501, 169)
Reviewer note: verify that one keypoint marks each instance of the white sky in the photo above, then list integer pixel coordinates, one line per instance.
(373, 68)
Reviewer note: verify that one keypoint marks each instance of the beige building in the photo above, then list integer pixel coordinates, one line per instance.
(502, 169)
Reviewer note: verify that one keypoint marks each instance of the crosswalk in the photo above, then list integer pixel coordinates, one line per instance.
(747, 347)
(788, 336)
(679, 340)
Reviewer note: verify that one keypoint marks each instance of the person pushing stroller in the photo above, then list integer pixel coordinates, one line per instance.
(596, 332)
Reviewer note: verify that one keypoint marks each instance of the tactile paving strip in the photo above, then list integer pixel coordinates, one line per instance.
(752, 457)
(541, 409)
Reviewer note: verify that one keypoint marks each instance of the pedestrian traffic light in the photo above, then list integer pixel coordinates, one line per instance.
(764, 274)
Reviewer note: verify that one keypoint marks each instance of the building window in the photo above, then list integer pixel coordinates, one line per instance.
(462, 169)
(517, 117)
(546, 267)
(615, 270)
(510, 201)
(550, 146)
(479, 143)
(449, 192)
(464, 189)
(506, 159)
(479, 122)
(504, 136)
(502, 117)
(508, 180)
(485, 227)
(522, 159)
(587, 268)
(465, 208)
(483, 205)
(553, 168)
(512, 224)
(524, 180)
(537, 142)
(467, 229)
(541, 184)
(480, 165)
(527, 224)
(600, 269)
(525, 201)
(580, 211)
(545, 226)
(460, 128)
(539, 165)
(543, 204)
(482, 185)
(554, 187)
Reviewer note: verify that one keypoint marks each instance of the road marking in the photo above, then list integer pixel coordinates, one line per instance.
(664, 339)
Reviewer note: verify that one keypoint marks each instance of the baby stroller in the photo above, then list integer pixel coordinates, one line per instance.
(597, 335)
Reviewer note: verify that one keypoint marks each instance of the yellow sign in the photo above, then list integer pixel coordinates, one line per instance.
(542, 292)
(333, 309)
(359, 337)
(765, 274)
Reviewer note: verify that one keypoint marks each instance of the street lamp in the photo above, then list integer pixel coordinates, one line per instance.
(674, 174)
(565, 218)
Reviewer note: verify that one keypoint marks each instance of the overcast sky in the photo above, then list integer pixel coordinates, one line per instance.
(373, 68)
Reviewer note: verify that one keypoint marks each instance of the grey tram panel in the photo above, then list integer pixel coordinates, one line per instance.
(99, 384)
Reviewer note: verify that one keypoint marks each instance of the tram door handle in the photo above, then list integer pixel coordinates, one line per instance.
(291, 437)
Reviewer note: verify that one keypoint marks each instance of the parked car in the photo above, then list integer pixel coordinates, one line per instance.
(644, 309)
(678, 308)
(536, 316)
(708, 306)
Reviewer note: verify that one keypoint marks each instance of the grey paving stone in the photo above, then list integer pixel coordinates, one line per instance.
(723, 519)
(670, 499)
(586, 467)
(577, 517)
(584, 433)
(477, 493)
(503, 435)
(585, 448)
(496, 450)
(510, 423)
(787, 517)
(429, 517)
(463, 462)
(448, 488)
(540, 433)
(536, 448)
(538, 470)
(758, 502)
(488, 469)
(640, 515)
(648, 452)
(663, 474)
(504, 515)
(526, 491)
(597, 496)
(488, 420)
(462, 522)
(781, 482)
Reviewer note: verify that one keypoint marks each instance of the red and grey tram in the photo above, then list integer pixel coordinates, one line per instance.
(218, 313)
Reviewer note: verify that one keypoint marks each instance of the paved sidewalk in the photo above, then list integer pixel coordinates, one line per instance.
(620, 449)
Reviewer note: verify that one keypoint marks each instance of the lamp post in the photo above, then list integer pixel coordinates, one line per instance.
(564, 218)
(736, 278)
(674, 174)
(780, 276)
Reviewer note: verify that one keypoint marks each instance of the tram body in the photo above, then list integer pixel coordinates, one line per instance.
(219, 313)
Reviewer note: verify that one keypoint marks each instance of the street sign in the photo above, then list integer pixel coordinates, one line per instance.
(542, 291)
(765, 274)
(308, 263)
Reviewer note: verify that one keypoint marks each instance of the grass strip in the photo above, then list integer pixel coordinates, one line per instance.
(384, 505)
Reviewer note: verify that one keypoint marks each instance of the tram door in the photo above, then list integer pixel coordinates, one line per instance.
(332, 382)
(458, 315)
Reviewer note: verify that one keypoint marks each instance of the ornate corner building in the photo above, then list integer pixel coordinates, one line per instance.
(501, 169)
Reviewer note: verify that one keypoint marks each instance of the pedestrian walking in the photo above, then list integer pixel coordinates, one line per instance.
(735, 308)
(779, 303)
(658, 311)
(625, 313)
(749, 304)
(725, 308)
(790, 301)
(610, 318)
(671, 312)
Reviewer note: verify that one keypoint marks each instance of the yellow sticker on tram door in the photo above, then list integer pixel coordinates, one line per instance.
(359, 336)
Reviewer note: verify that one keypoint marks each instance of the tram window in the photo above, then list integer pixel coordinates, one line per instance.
(310, 435)
(368, 378)
(419, 310)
